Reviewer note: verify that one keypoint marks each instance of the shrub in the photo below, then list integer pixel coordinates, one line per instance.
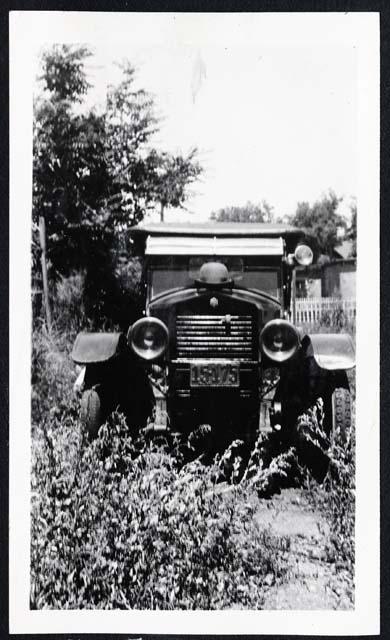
(339, 501)
(271, 466)
(52, 376)
(337, 320)
(68, 303)
(116, 524)
(336, 495)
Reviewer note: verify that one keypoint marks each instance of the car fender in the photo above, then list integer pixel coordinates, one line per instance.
(332, 351)
(90, 348)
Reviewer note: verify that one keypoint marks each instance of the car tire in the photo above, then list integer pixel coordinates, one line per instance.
(340, 419)
(314, 450)
(90, 413)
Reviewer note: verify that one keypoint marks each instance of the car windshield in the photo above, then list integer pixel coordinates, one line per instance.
(172, 272)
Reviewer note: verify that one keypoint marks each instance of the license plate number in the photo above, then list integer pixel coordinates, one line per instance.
(215, 375)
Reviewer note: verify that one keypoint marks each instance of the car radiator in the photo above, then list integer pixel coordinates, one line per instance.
(212, 336)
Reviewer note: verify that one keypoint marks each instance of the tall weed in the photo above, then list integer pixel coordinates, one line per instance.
(52, 376)
(336, 494)
(122, 527)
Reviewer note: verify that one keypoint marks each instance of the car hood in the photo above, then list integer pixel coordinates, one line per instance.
(215, 302)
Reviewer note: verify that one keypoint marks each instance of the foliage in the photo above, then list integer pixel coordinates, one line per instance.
(352, 230)
(171, 177)
(340, 499)
(321, 222)
(68, 303)
(52, 376)
(337, 321)
(332, 321)
(116, 524)
(336, 495)
(272, 467)
(95, 172)
(261, 212)
(63, 71)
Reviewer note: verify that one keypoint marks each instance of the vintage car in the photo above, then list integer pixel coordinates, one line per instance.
(217, 343)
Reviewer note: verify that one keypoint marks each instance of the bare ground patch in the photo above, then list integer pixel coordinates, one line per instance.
(311, 580)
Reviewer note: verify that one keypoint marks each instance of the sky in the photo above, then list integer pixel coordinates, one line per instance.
(273, 122)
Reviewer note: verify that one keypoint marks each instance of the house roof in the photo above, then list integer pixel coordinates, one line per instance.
(343, 250)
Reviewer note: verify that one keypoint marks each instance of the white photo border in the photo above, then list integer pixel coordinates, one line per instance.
(360, 30)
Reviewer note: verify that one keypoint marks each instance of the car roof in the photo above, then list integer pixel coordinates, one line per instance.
(212, 229)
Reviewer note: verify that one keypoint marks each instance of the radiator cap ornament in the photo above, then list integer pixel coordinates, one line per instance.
(213, 302)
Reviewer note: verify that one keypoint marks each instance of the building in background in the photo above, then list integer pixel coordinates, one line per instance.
(333, 277)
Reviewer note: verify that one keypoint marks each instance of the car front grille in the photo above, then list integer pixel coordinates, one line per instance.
(229, 337)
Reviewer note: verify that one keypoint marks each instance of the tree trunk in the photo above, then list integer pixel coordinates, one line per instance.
(42, 240)
(161, 212)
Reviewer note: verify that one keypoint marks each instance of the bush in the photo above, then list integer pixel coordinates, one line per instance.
(332, 321)
(68, 303)
(336, 495)
(339, 500)
(52, 376)
(116, 524)
(337, 320)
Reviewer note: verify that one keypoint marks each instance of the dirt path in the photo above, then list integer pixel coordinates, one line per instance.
(312, 581)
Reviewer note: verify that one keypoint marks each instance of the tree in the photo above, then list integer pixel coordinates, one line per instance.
(261, 212)
(171, 176)
(130, 123)
(352, 230)
(69, 170)
(321, 222)
(95, 172)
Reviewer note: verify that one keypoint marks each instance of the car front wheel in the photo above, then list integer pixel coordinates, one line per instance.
(91, 412)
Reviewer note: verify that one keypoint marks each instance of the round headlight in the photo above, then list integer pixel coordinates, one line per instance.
(148, 337)
(303, 255)
(279, 340)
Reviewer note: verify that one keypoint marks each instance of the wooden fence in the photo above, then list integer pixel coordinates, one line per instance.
(311, 310)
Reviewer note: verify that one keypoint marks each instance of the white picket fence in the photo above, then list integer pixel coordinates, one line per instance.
(311, 310)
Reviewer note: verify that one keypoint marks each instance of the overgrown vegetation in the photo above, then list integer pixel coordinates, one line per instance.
(333, 321)
(116, 524)
(127, 523)
(336, 495)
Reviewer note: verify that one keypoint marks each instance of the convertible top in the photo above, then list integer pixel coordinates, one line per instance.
(219, 229)
(218, 238)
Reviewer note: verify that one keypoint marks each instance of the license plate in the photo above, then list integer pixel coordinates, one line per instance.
(214, 374)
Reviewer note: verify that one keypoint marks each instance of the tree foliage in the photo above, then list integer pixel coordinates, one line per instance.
(321, 222)
(95, 172)
(250, 212)
(172, 175)
(352, 230)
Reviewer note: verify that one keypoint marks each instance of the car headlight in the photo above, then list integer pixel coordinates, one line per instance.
(303, 255)
(279, 340)
(148, 337)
